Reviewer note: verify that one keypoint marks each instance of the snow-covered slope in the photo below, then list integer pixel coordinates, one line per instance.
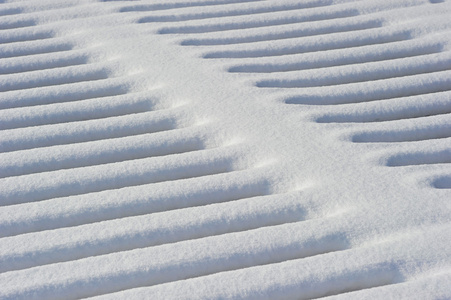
(254, 149)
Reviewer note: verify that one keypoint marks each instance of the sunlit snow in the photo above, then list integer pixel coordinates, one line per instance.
(225, 149)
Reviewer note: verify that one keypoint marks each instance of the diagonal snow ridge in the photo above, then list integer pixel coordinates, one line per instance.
(353, 55)
(239, 149)
(79, 129)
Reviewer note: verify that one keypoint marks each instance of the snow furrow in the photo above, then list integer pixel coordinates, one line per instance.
(427, 128)
(152, 266)
(42, 62)
(13, 24)
(234, 20)
(66, 93)
(376, 90)
(165, 6)
(10, 11)
(339, 57)
(335, 273)
(24, 7)
(42, 16)
(234, 12)
(303, 30)
(100, 152)
(391, 109)
(434, 285)
(90, 130)
(84, 180)
(28, 34)
(343, 40)
(25, 48)
(148, 149)
(443, 182)
(372, 15)
(364, 277)
(394, 68)
(53, 77)
(90, 109)
(131, 201)
(439, 154)
(293, 19)
(26, 250)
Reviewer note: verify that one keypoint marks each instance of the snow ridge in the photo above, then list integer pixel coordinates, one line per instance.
(224, 149)
(353, 54)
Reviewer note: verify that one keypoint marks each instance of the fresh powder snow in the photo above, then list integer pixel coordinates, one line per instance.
(225, 149)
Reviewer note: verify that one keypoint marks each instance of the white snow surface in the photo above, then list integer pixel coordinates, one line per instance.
(225, 149)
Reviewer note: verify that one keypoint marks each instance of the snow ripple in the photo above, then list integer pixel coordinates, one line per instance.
(111, 187)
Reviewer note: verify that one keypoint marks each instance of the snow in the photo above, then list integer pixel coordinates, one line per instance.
(259, 149)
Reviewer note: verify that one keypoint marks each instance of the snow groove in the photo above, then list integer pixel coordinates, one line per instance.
(421, 155)
(43, 70)
(84, 180)
(443, 182)
(230, 254)
(90, 130)
(56, 76)
(131, 201)
(42, 62)
(294, 19)
(314, 44)
(346, 56)
(428, 128)
(34, 47)
(165, 6)
(16, 24)
(99, 152)
(392, 109)
(368, 277)
(434, 281)
(28, 34)
(339, 57)
(230, 12)
(341, 46)
(83, 110)
(322, 27)
(149, 230)
(315, 281)
(10, 11)
(114, 183)
(384, 89)
(65, 93)
(422, 64)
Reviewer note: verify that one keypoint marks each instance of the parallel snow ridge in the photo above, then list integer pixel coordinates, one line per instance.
(108, 189)
(282, 280)
(151, 266)
(150, 230)
(95, 168)
(348, 59)
(354, 60)
(76, 121)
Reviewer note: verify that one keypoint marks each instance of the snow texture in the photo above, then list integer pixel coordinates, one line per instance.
(225, 149)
